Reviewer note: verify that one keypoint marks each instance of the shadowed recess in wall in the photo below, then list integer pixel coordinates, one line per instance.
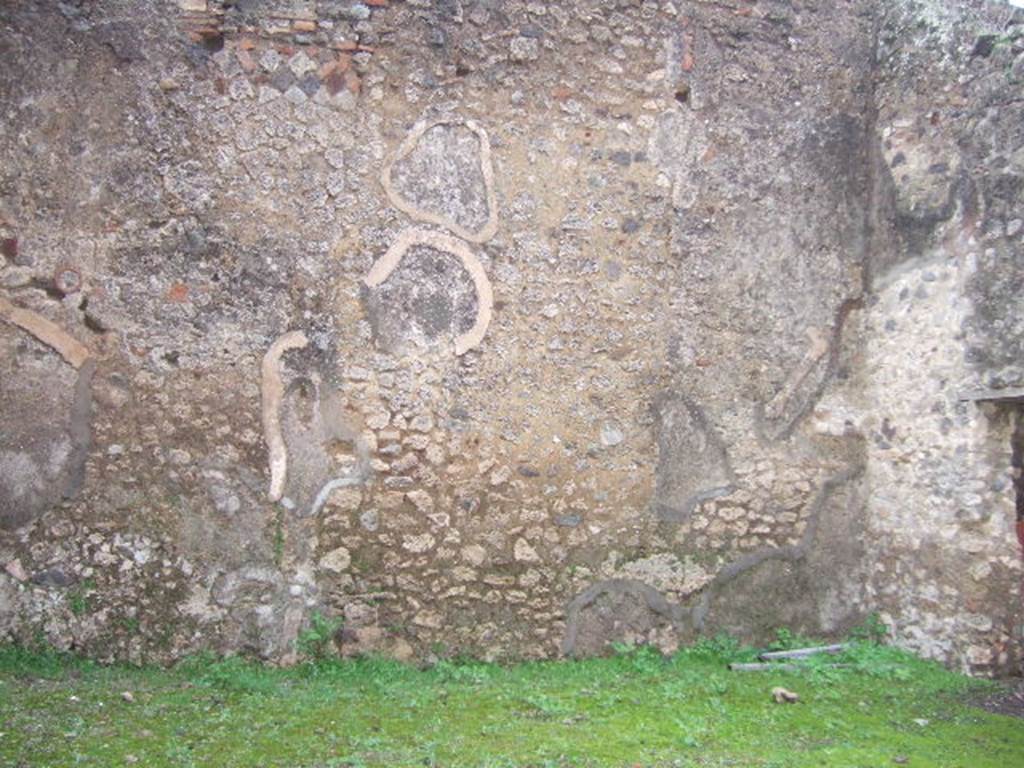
(619, 610)
(635, 612)
(692, 462)
(780, 416)
(324, 447)
(741, 606)
(42, 460)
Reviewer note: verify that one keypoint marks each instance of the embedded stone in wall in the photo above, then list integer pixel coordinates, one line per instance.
(619, 611)
(336, 561)
(253, 597)
(692, 462)
(442, 174)
(421, 297)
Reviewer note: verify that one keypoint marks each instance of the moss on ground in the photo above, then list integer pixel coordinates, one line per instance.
(635, 709)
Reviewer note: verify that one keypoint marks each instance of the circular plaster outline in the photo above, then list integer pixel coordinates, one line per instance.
(387, 264)
(486, 232)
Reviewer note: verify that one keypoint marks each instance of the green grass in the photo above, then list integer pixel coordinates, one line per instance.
(635, 709)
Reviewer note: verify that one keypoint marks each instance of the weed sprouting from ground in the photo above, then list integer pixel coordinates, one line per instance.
(636, 707)
(36, 661)
(233, 674)
(316, 642)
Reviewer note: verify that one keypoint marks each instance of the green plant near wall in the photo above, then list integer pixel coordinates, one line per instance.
(78, 597)
(279, 538)
(316, 642)
(871, 630)
(129, 624)
(786, 639)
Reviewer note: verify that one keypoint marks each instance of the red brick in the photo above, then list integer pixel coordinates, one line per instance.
(9, 247)
(352, 82)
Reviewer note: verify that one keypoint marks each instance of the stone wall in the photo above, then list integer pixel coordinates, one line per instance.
(509, 328)
(944, 349)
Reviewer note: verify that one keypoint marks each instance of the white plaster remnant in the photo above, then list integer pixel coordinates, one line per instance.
(273, 392)
(73, 351)
(330, 487)
(486, 232)
(387, 264)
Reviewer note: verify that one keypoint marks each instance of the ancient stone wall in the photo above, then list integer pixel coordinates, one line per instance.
(509, 328)
(944, 341)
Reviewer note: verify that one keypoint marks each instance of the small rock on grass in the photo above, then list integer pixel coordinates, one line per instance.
(128, 696)
(783, 696)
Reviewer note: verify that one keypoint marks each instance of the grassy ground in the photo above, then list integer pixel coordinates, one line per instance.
(636, 709)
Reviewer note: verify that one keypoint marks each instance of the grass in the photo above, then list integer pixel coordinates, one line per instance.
(634, 709)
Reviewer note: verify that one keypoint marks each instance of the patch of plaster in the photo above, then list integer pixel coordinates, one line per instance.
(273, 391)
(73, 351)
(80, 428)
(387, 264)
(408, 146)
(329, 487)
(8, 603)
(642, 593)
(693, 465)
(789, 553)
